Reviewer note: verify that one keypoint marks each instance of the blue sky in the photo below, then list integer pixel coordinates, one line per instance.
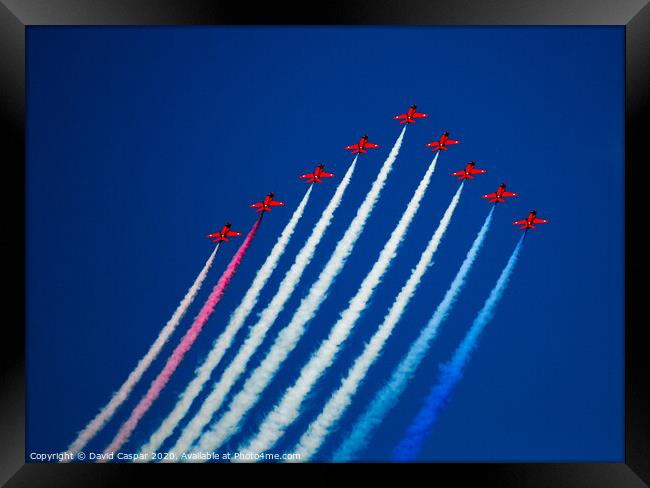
(142, 140)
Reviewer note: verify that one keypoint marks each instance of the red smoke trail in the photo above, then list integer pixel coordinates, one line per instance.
(186, 343)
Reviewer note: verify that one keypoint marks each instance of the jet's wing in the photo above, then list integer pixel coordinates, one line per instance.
(519, 222)
(433, 144)
(490, 195)
(476, 171)
(352, 146)
(371, 145)
(307, 176)
(451, 141)
(232, 233)
(325, 174)
(256, 205)
(459, 173)
(275, 203)
(418, 115)
(540, 221)
(509, 194)
(398, 117)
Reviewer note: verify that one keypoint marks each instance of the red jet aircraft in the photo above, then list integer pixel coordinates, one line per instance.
(500, 194)
(466, 174)
(362, 146)
(441, 144)
(317, 175)
(528, 222)
(223, 234)
(266, 204)
(410, 115)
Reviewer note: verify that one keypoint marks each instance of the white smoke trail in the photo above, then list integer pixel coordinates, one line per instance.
(257, 333)
(338, 403)
(288, 409)
(125, 390)
(224, 341)
(387, 397)
(289, 336)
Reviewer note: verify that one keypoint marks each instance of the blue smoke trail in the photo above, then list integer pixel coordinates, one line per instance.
(452, 372)
(387, 397)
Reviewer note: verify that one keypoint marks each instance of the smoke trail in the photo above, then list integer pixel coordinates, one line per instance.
(123, 393)
(257, 333)
(338, 403)
(452, 372)
(386, 398)
(288, 409)
(185, 344)
(225, 339)
(289, 336)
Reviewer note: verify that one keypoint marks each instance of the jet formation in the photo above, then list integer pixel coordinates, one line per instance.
(362, 147)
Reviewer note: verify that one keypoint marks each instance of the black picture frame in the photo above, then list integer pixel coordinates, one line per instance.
(16, 15)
